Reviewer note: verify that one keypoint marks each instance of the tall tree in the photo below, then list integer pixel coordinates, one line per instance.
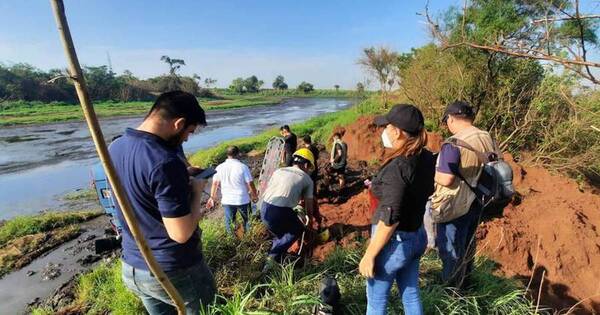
(550, 30)
(381, 62)
(305, 87)
(208, 82)
(237, 86)
(279, 83)
(174, 64)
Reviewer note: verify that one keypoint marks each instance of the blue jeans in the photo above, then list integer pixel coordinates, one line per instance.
(397, 261)
(230, 212)
(195, 284)
(456, 245)
(285, 226)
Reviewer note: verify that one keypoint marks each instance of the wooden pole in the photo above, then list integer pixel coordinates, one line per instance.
(96, 132)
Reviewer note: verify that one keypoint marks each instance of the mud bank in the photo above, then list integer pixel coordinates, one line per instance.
(38, 280)
(548, 236)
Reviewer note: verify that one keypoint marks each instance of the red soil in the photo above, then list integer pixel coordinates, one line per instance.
(364, 140)
(553, 231)
(551, 212)
(346, 222)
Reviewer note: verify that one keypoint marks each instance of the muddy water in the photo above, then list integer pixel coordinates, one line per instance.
(17, 289)
(38, 163)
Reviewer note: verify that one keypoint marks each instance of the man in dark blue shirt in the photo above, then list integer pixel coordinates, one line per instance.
(166, 204)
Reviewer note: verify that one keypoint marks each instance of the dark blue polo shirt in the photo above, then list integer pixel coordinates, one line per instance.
(156, 181)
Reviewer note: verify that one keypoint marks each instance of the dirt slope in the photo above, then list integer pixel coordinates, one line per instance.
(553, 231)
(552, 211)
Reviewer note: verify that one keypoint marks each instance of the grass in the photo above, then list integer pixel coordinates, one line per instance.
(291, 289)
(320, 128)
(23, 112)
(27, 225)
(81, 195)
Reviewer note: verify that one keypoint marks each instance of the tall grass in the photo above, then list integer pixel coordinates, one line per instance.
(103, 290)
(293, 289)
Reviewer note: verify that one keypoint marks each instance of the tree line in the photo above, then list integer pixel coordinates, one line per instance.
(24, 82)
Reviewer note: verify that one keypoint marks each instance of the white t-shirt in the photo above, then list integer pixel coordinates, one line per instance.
(234, 177)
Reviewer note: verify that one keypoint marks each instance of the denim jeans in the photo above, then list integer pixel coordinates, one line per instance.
(285, 226)
(195, 284)
(231, 211)
(456, 245)
(397, 261)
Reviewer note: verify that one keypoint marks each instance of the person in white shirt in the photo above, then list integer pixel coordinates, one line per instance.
(237, 189)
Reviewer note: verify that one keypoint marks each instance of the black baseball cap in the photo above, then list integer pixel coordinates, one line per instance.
(458, 108)
(404, 116)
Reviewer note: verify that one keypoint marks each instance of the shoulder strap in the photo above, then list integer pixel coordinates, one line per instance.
(481, 156)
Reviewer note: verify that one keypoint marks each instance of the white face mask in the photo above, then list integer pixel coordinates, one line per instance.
(386, 140)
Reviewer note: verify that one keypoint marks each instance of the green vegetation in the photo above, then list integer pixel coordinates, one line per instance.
(81, 195)
(21, 112)
(26, 225)
(319, 127)
(543, 110)
(292, 289)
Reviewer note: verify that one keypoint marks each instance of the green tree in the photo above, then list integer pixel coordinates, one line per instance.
(252, 84)
(305, 87)
(174, 64)
(279, 83)
(556, 31)
(208, 82)
(360, 88)
(238, 85)
(382, 63)
(336, 87)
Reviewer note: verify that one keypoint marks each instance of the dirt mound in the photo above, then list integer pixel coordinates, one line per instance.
(347, 222)
(364, 141)
(552, 234)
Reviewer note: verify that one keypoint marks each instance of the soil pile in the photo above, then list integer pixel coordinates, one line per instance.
(346, 222)
(552, 232)
(364, 140)
(550, 210)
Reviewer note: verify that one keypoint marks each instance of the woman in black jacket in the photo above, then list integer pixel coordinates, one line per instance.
(402, 187)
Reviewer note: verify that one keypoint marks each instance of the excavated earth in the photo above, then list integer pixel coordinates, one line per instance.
(548, 237)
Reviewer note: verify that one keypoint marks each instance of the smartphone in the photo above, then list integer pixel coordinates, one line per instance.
(207, 173)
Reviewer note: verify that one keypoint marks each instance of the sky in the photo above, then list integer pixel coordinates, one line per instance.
(310, 40)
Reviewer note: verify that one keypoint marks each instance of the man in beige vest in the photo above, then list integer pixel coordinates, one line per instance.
(458, 212)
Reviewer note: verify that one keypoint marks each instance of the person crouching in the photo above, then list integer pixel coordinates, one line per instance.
(286, 188)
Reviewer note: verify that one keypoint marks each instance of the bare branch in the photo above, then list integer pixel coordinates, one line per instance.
(539, 55)
(565, 18)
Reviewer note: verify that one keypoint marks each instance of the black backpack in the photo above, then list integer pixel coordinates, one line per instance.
(494, 189)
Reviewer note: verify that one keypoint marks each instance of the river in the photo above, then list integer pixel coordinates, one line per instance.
(42, 162)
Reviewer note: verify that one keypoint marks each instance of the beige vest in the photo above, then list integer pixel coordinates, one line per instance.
(449, 203)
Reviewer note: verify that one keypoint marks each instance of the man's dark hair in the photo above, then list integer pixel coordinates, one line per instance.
(179, 104)
(306, 139)
(285, 127)
(233, 151)
(337, 134)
